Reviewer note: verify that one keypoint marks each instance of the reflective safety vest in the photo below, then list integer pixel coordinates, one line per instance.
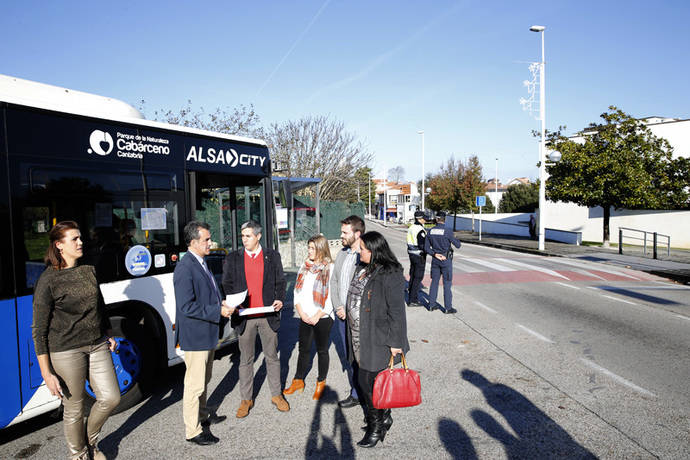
(412, 238)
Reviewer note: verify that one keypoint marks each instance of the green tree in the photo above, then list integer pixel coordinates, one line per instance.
(361, 186)
(618, 164)
(520, 198)
(455, 187)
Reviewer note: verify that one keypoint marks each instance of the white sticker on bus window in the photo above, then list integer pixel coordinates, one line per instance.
(159, 260)
(282, 217)
(153, 218)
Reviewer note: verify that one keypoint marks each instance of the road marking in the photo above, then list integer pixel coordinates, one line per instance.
(536, 334)
(534, 268)
(466, 265)
(616, 377)
(618, 300)
(567, 285)
(486, 263)
(490, 310)
(683, 317)
(598, 267)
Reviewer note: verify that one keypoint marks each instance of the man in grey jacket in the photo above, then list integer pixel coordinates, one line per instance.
(351, 229)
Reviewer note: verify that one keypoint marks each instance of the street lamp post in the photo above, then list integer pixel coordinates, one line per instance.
(542, 144)
(370, 192)
(422, 133)
(496, 190)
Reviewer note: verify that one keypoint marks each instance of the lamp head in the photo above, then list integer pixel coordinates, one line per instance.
(554, 155)
(537, 28)
(420, 132)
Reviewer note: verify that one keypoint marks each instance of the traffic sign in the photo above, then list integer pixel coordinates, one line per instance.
(480, 201)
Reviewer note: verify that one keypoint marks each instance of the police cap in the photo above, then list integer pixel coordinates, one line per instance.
(418, 214)
(440, 215)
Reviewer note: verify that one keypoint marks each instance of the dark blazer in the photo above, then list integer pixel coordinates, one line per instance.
(234, 281)
(382, 320)
(198, 321)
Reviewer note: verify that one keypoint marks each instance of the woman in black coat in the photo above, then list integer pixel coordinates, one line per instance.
(377, 326)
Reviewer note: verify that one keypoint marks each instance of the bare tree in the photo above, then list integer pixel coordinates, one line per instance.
(396, 174)
(316, 146)
(239, 121)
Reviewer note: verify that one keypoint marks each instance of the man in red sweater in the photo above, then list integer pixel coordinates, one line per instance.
(259, 270)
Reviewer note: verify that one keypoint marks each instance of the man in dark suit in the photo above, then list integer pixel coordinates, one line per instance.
(201, 311)
(259, 271)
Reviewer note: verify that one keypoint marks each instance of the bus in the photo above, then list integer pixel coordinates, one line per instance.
(131, 184)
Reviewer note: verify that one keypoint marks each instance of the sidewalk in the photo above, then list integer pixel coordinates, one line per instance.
(675, 266)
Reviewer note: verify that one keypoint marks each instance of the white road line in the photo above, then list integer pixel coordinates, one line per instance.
(536, 334)
(533, 268)
(683, 317)
(490, 310)
(617, 378)
(464, 264)
(567, 285)
(587, 273)
(618, 300)
(598, 267)
(498, 267)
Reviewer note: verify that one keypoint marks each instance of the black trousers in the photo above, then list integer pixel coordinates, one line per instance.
(307, 335)
(366, 383)
(417, 263)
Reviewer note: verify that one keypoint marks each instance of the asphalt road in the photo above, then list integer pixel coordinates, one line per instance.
(547, 358)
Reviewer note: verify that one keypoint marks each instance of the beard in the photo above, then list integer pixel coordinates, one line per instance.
(347, 242)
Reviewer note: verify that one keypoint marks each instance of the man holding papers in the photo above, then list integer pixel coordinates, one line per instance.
(259, 271)
(200, 314)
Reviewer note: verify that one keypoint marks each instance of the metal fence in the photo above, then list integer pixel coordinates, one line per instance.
(642, 235)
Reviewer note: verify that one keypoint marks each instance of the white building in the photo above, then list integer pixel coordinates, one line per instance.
(402, 200)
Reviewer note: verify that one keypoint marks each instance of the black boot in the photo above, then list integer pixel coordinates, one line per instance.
(387, 420)
(375, 429)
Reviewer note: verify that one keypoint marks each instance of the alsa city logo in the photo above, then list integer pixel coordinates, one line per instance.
(101, 142)
(228, 157)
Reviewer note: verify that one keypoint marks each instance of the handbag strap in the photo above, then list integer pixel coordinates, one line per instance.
(391, 362)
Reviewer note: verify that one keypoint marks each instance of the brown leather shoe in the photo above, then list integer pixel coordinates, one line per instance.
(243, 410)
(280, 403)
(297, 385)
(319, 390)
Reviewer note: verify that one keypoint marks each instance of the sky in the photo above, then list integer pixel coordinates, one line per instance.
(387, 69)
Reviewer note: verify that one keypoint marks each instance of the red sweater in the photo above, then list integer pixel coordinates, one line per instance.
(254, 273)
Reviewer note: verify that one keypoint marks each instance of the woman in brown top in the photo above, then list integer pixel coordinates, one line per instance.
(71, 340)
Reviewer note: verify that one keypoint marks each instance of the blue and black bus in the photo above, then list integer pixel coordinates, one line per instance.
(131, 184)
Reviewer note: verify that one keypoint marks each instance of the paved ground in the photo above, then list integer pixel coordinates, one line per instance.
(482, 398)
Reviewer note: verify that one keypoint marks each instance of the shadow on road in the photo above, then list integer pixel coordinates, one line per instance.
(164, 396)
(320, 445)
(456, 440)
(638, 295)
(536, 434)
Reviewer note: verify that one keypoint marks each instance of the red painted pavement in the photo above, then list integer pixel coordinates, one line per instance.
(532, 276)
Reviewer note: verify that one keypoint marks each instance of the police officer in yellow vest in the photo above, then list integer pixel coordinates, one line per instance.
(416, 235)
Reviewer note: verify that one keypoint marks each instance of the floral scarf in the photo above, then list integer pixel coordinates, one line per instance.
(323, 275)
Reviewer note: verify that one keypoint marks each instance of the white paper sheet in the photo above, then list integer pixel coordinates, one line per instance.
(234, 300)
(255, 310)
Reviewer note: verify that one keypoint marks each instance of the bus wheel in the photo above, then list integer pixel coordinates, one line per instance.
(135, 362)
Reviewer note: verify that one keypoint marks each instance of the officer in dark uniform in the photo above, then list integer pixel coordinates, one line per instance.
(416, 236)
(438, 246)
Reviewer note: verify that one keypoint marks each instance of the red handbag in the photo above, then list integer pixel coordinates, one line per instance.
(397, 387)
